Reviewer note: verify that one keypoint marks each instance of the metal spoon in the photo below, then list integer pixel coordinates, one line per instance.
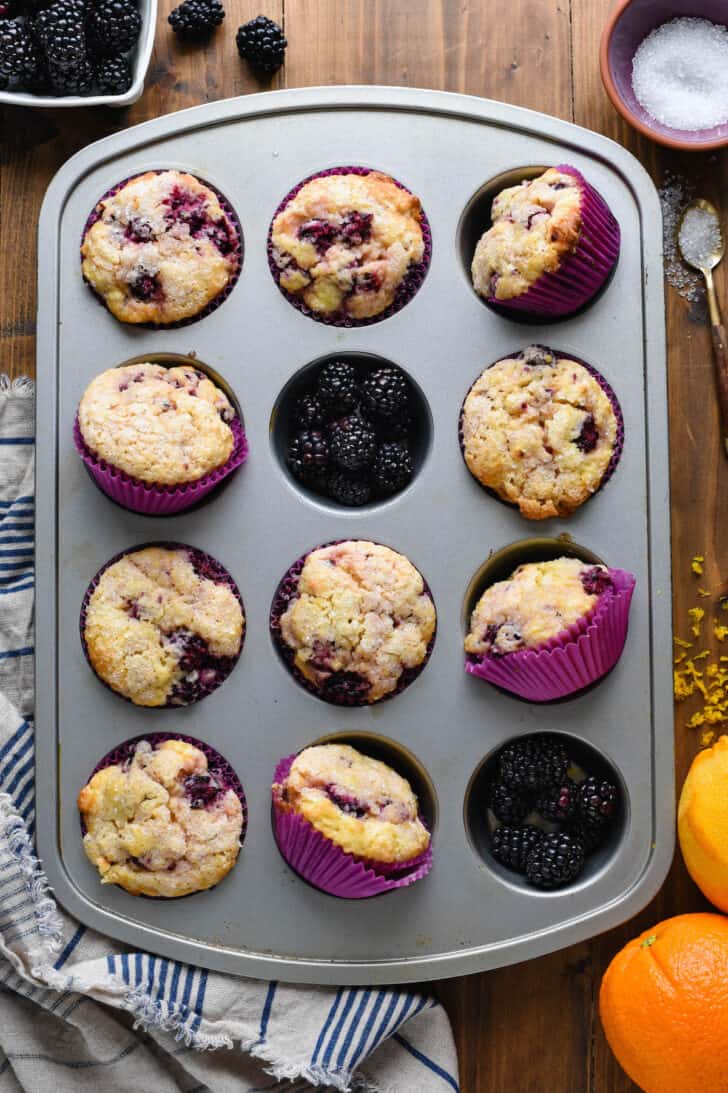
(703, 249)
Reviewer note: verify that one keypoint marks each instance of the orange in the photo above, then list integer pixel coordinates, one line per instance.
(664, 1006)
(702, 822)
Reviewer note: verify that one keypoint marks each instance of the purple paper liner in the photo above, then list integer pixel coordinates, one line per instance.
(205, 565)
(571, 660)
(344, 691)
(580, 274)
(217, 764)
(323, 864)
(229, 211)
(152, 500)
(608, 391)
(410, 285)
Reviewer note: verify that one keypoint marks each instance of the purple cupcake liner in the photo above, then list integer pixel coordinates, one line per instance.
(410, 285)
(206, 566)
(343, 688)
(582, 273)
(217, 765)
(151, 500)
(229, 211)
(573, 659)
(323, 864)
(608, 391)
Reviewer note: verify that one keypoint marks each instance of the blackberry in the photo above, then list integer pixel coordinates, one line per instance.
(511, 845)
(555, 861)
(392, 468)
(308, 413)
(591, 836)
(196, 18)
(18, 53)
(597, 801)
(508, 805)
(534, 763)
(558, 803)
(308, 454)
(114, 26)
(385, 392)
(397, 427)
(337, 388)
(347, 490)
(261, 42)
(113, 76)
(60, 30)
(353, 443)
(78, 80)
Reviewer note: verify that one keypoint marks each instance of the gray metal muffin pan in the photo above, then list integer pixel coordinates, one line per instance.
(262, 919)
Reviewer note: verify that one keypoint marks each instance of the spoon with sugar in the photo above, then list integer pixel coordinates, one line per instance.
(701, 244)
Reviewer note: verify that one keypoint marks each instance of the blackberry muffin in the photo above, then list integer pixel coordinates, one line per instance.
(537, 602)
(161, 426)
(552, 245)
(542, 431)
(348, 245)
(161, 248)
(162, 817)
(355, 621)
(163, 625)
(356, 802)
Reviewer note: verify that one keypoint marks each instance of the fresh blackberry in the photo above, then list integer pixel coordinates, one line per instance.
(79, 80)
(397, 427)
(337, 388)
(597, 801)
(19, 57)
(113, 75)
(555, 861)
(196, 18)
(353, 443)
(308, 454)
(261, 42)
(392, 468)
(557, 804)
(60, 30)
(114, 26)
(534, 763)
(511, 845)
(385, 392)
(508, 805)
(591, 836)
(347, 490)
(307, 413)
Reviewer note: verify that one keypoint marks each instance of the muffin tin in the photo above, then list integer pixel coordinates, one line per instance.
(466, 915)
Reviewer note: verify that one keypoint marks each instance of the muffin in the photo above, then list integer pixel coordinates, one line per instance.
(551, 628)
(551, 247)
(355, 622)
(161, 248)
(163, 816)
(542, 431)
(162, 625)
(349, 246)
(157, 439)
(349, 824)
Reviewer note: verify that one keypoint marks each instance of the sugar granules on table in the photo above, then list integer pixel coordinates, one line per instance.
(699, 236)
(675, 193)
(680, 74)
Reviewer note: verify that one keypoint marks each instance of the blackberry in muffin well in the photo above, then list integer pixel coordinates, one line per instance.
(508, 805)
(510, 846)
(392, 468)
(385, 392)
(597, 801)
(308, 453)
(353, 443)
(557, 804)
(347, 490)
(337, 388)
(533, 763)
(555, 861)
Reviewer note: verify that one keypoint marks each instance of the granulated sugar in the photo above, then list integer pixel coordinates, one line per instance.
(699, 236)
(675, 193)
(680, 74)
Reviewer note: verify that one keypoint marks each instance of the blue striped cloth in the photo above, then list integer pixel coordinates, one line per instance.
(79, 1012)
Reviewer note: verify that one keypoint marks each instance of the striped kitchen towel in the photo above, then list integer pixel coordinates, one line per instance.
(79, 1011)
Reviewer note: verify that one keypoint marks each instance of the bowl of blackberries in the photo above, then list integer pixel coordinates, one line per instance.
(352, 430)
(75, 52)
(547, 808)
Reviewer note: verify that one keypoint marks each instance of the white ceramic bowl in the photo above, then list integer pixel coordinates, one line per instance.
(140, 58)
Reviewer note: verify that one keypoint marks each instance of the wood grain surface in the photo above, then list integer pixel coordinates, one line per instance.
(533, 1028)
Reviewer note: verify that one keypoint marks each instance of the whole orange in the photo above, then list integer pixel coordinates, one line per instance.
(664, 1006)
(702, 822)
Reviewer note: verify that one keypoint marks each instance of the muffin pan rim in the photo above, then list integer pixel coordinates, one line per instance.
(449, 110)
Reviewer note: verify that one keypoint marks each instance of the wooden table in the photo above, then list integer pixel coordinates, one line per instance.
(533, 1028)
